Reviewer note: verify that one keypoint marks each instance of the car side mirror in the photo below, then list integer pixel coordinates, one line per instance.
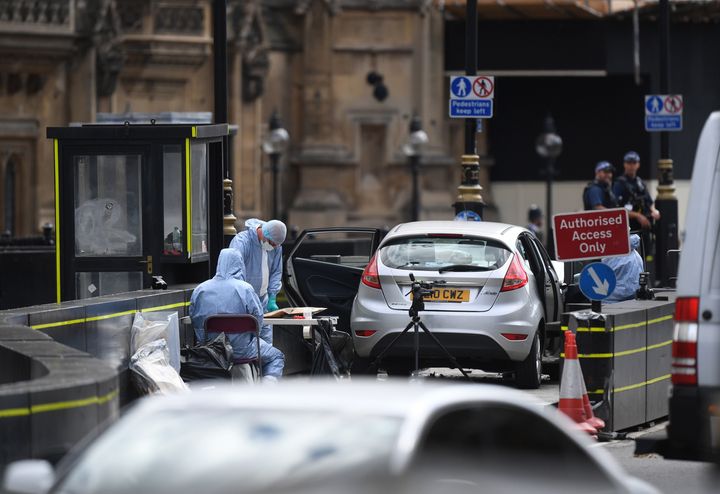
(28, 477)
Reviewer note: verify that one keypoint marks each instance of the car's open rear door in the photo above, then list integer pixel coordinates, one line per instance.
(324, 267)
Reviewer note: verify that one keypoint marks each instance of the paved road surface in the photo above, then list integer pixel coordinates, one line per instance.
(670, 476)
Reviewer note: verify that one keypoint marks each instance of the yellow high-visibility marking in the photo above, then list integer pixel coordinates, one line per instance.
(57, 220)
(623, 353)
(631, 386)
(618, 328)
(163, 307)
(640, 385)
(194, 131)
(660, 319)
(59, 323)
(629, 326)
(58, 405)
(14, 412)
(108, 316)
(188, 196)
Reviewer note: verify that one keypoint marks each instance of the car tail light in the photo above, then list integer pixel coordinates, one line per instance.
(516, 277)
(684, 347)
(370, 276)
(365, 332)
(514, 336)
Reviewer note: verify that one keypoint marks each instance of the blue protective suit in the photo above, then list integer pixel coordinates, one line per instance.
(248, 244)
(228, 293)
(627, 272)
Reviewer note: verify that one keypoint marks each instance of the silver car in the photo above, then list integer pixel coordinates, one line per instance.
(357, 437)
(499, 291)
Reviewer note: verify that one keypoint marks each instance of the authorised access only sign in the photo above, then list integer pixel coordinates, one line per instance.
(591, 234)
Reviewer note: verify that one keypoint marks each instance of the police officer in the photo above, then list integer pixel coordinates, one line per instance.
(598, 194)
(632, 194)
(535, 221)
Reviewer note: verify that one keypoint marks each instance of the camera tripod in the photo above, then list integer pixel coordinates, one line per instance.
(419, 291)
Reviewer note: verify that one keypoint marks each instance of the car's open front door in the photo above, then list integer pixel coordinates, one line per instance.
(324, 267)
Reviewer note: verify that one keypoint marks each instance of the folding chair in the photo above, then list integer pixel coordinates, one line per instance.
(251, 368)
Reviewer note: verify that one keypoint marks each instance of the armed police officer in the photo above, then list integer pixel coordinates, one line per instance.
(633, 194)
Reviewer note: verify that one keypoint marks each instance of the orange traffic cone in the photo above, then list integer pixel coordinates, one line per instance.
(572, 387)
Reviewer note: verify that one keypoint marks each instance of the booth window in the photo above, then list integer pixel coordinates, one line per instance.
(199, 162)
(172, 201)
(108, 219)
(97, 284)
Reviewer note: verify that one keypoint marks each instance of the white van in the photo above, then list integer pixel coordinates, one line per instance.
(694, 430)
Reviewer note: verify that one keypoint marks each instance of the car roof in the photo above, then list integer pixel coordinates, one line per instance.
(500, 231)
(362, 396)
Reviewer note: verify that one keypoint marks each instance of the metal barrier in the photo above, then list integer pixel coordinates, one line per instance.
(52, 390)
(625, 355)
(51, 395)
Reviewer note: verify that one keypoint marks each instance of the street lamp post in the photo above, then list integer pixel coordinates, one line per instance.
(274, 144)
(549, 146)
(416, 140)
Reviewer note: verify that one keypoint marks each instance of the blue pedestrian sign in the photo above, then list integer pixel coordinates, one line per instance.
(597, 281)
(461, 87)
(471, 96)
(663, 112)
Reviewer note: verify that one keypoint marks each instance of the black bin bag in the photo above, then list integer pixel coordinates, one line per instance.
(212, 360)
(335, 352)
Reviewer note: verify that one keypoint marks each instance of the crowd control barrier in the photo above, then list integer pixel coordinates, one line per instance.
(625, 356)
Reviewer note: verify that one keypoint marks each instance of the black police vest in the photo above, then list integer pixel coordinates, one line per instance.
(634, 192)
(609, 200)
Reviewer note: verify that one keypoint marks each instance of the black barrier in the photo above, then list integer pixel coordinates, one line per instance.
(55, 395)
(625, 356)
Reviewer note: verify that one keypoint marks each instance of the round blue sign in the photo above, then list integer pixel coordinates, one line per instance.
(461, 87)
(654, 104)
(467, 215)
(597, 281)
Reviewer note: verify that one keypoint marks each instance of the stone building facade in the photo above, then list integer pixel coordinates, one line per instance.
(65, 61)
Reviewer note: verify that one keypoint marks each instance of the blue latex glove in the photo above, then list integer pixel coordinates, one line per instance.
(271, 304)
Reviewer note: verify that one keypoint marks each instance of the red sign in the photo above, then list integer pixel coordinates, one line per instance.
(591, 234)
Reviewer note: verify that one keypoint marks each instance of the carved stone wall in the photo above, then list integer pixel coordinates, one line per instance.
(347, 165)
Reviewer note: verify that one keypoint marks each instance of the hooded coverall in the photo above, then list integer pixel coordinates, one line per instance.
(228, 293)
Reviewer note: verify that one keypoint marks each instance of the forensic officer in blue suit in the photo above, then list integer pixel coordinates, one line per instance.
(228, 293)
(627, 273)
(260, 247)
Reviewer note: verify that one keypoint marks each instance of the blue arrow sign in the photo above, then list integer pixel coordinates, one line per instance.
(597, 281)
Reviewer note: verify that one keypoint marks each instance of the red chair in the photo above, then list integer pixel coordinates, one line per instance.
(237, 324)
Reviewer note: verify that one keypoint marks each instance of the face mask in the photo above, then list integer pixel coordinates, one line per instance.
(265, 245)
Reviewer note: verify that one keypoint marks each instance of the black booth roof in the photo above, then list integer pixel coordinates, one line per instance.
(138, 132)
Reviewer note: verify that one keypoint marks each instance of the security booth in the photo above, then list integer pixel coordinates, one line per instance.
(133, 202)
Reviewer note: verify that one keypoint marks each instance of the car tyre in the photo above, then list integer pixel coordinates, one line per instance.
(529, 373)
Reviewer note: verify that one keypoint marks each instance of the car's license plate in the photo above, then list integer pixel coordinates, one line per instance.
(447, 295)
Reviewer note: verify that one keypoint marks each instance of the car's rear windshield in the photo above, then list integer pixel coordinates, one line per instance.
(431, 253)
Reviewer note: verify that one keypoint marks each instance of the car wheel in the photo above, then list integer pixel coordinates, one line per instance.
(529, 373)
